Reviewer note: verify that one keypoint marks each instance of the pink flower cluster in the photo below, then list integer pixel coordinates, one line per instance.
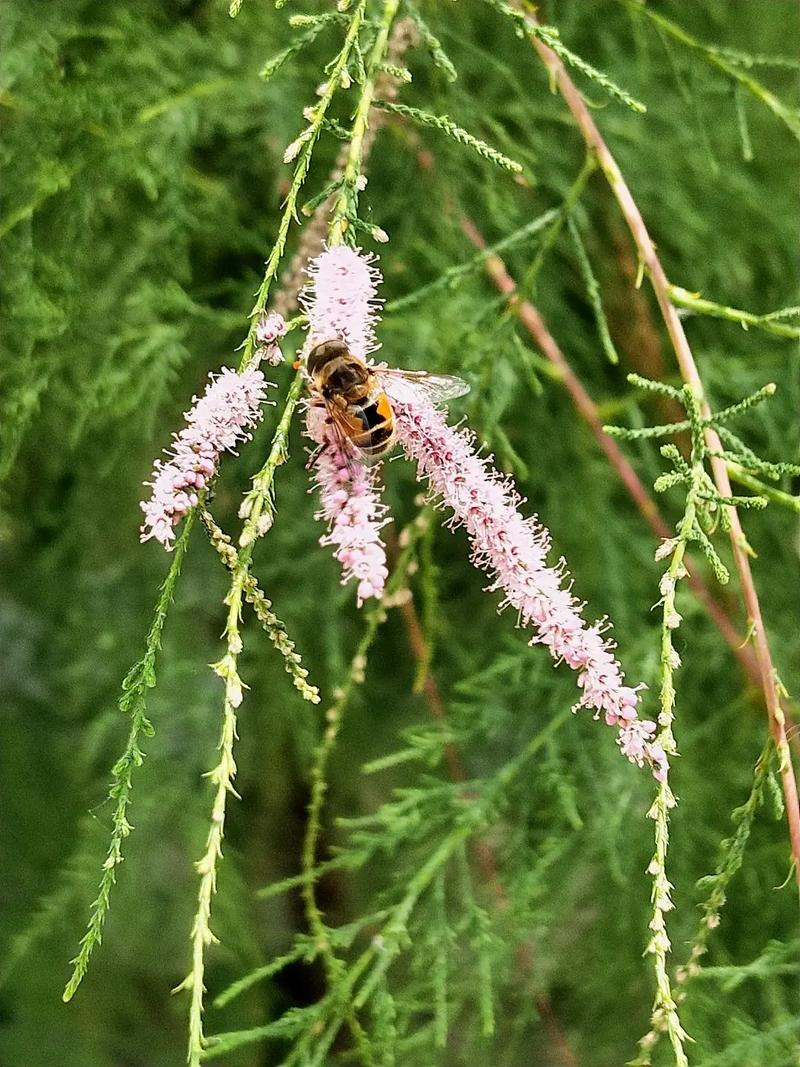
(341, 302)
(513, 551)
(269, 329)
(217, 421)
(352, 508)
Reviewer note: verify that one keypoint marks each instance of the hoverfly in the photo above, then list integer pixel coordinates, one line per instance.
(355, 401)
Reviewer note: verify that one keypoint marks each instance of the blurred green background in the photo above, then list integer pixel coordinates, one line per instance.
(142, 182)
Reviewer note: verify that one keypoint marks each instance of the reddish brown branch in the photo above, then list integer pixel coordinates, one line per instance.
(635, 332)
(688, 368)
(535, 325)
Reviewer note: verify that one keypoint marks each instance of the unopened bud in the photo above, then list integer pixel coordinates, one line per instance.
(293, 150)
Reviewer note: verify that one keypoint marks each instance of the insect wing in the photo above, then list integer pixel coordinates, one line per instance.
(439, 388)
(339, 429)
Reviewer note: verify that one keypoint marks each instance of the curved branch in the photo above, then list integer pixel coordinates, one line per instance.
(688, 369)
(533, 322)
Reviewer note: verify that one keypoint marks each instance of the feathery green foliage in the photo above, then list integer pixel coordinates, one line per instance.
(438, 863)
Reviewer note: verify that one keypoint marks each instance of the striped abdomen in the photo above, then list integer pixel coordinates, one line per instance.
(376, 418)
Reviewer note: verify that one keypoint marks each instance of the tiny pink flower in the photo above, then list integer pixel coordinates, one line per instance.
(635, 740)
(513, 550)
(270, 328)
(352, 508)
(217, 422)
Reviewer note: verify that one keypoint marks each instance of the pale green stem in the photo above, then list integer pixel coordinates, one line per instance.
(139, 679)
(310, 136)
(574, 193)
(452, 275)
(223, 774)
(665, 1011)
(777, 496)
(258, 505)
(347, 199)
(691, 301)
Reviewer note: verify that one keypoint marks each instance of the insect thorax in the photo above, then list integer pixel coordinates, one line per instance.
(323, 354)
(336, 371)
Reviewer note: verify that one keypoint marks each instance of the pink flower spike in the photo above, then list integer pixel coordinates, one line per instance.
(352, 508)
(341, 303)
(217, 422)
(341, 300)
(513, 550)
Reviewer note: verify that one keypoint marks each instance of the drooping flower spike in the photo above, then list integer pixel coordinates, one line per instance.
(218, 421)
(341, 303)
(512, 549)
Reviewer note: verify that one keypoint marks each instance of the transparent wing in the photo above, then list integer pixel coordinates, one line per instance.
(338, 429)
(438, 387)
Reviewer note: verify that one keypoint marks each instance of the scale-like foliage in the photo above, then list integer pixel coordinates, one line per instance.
(439, 863)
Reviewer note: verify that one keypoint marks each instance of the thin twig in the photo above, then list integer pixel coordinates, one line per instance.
(688, 368)
(305, 144)
(312, 238)
(536, 327)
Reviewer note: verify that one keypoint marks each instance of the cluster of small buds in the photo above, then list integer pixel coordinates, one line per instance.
(513, 550)
(217, 422)
(352, 508)
(271, 327)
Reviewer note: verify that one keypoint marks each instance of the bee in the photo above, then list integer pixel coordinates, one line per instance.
(356, 404)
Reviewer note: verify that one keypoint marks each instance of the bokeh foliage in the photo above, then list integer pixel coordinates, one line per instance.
(141, 188)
